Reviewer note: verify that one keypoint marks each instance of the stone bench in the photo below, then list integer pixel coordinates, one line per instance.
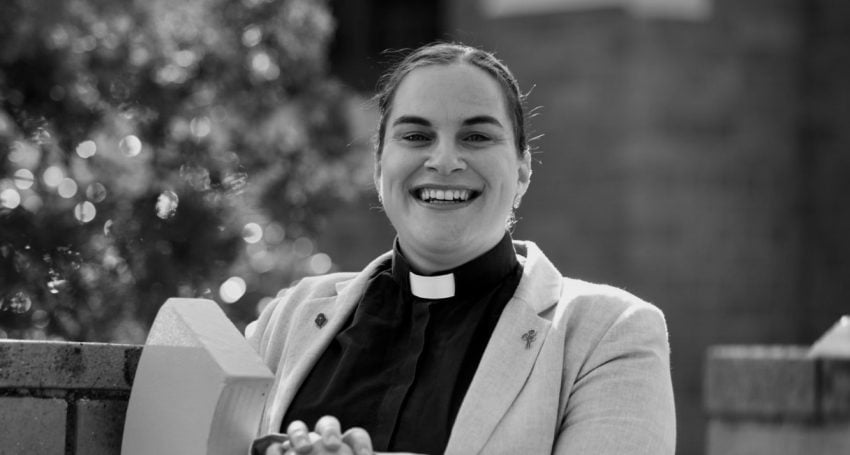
(196, 387)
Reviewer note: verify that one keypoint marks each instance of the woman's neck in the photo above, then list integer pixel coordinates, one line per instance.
(433, 261)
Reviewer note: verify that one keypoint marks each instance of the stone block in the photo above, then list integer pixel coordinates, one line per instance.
(100, 426)
(31, 425)
(762, 382)
(778, 438)
(195, 364)
(835, 388)
(60, 365)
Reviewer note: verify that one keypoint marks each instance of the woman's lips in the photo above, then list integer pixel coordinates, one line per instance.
(443, 195)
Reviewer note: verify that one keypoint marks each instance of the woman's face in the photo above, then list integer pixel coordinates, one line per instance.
(450, 171)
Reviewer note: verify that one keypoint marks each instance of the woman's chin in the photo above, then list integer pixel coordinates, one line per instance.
(450, 248)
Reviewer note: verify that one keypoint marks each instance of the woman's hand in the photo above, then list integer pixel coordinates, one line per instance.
(327, 438)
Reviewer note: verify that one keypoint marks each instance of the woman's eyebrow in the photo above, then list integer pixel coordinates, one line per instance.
(479, 119)
(411, 119)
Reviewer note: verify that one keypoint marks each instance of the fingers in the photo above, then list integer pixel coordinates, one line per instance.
(299, 436)
(359, 441)
(270, 444)
(328, 429)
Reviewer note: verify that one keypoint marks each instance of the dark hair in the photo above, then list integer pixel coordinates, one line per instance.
(445, 54)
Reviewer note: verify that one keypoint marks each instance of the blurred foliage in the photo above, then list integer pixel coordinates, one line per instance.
(151, 149)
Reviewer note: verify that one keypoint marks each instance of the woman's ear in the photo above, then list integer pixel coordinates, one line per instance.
(376, 177)
(523, 176)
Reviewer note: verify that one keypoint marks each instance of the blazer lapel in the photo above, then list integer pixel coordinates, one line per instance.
(510, 355)
(504, 367)
(306, 344)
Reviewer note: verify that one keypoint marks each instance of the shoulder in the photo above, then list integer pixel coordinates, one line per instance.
(594, 312)
(602, 301)
(569, 301)
(307, 290)
(316, 286)
(276, 318)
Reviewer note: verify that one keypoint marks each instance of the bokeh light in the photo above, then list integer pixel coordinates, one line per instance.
(96, 192)
(200, 127)
(24, 155)
(232, 289)
(53, 176)
(263, 66)
(261, 261)
(320, 263)
(85, 212)
(274, 233)
(130, 145)
(252, 233)
(24, 179)
(166, 204)
(251, 36)
(86, 149)
(10, 198)
(67, 188)
(185, 58)
(302, 247)
(32, 203)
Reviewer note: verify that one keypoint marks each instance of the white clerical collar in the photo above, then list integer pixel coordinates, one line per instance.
(432, 287)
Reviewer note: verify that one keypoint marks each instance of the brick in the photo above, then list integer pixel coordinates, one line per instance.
(100, 426)
(777, 438)
(27, 364)
(835, 388)
(761, 381)
(32, 425)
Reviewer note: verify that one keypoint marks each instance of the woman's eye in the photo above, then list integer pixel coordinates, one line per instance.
(477, 137)
(415, 137)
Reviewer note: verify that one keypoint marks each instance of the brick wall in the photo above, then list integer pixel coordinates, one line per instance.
(824, 163)
(773, 400)
(64, 398)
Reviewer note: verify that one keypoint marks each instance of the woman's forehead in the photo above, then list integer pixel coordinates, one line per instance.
(450, 93)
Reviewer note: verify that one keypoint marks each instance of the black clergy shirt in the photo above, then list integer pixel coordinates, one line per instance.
(401, 365)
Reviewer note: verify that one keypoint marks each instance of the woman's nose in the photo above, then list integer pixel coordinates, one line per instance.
(445, 159)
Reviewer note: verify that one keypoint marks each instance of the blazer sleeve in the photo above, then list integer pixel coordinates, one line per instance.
(622, 399)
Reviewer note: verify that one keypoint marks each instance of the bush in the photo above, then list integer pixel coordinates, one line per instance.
(158, 148)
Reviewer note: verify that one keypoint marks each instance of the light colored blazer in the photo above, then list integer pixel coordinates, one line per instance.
(594, 380)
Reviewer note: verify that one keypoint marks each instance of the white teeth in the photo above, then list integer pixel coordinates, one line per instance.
(428, 194)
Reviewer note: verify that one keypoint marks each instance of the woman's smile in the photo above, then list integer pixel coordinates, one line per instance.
(443, 197)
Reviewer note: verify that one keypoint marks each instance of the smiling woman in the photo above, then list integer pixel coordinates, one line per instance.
(461, 340)
(449, 132)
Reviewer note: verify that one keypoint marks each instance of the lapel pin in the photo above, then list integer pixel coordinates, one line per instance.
(321, 320)
(529, 338)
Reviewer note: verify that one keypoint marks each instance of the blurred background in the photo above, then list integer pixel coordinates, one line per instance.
(694, 152)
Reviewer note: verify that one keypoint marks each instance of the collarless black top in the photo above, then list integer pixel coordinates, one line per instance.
(401, 364)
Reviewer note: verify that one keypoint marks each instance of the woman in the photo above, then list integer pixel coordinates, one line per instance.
(460, 340)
